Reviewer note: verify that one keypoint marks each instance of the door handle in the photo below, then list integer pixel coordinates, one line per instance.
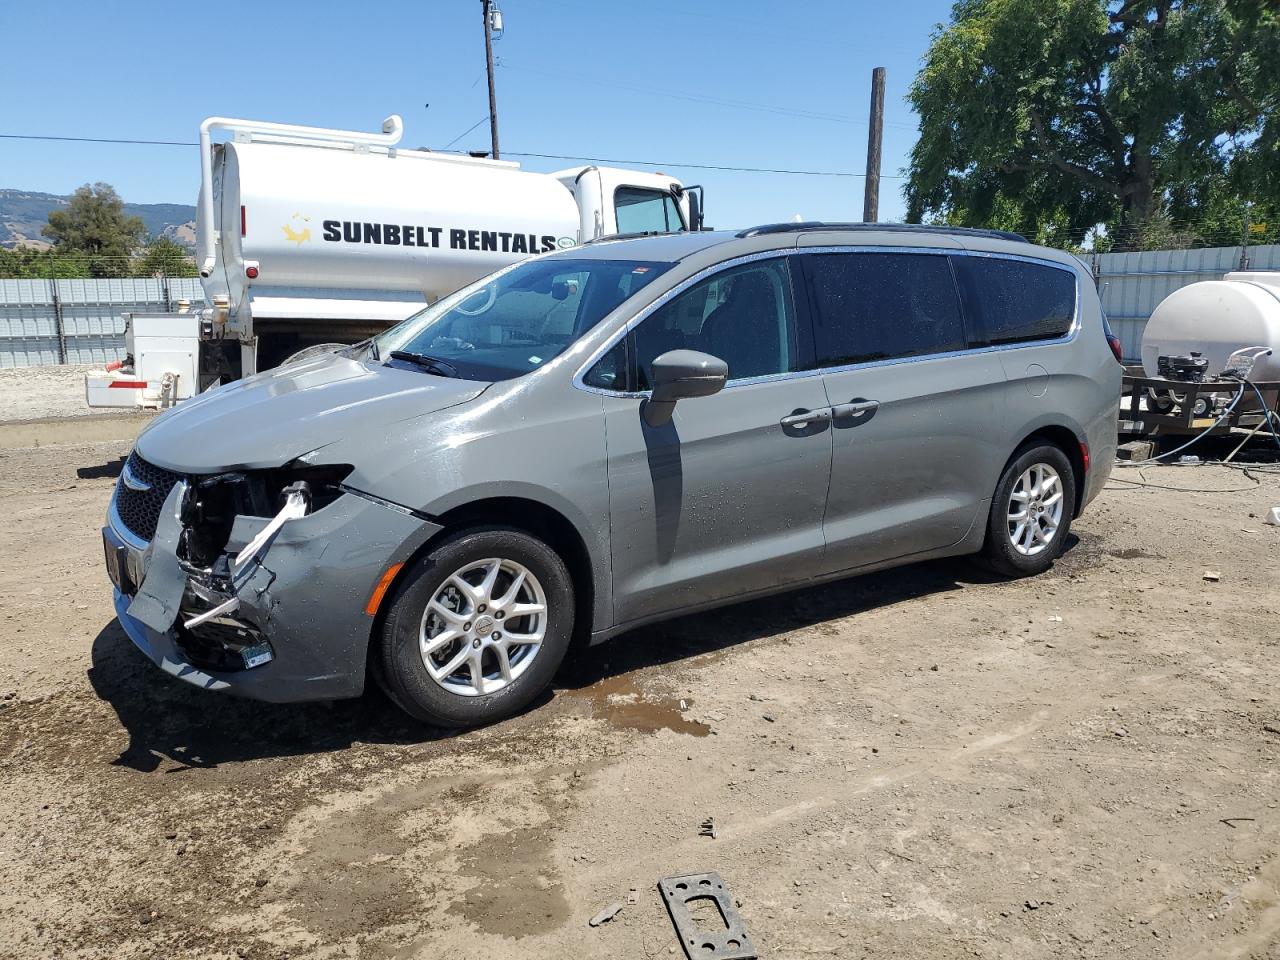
(798, 421)
(854, 408)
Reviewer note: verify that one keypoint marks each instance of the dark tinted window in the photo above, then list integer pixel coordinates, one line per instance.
(610, 371)
(1009, 301)
(879, 306)
(743, 315)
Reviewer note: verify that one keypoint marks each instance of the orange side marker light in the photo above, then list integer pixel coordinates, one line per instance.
(380, 591)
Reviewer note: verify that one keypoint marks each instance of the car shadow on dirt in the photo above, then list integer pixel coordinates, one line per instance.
(167, 719)
(170, 720)
(729, 626)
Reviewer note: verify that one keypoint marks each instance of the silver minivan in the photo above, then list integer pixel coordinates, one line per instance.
(605, 436)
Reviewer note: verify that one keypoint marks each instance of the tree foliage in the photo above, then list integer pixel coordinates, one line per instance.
(163, 257)
(1053, 116)
(94, 227)
(93, 238)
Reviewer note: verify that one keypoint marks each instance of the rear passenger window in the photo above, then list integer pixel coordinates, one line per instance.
(1010, 301)
(881, 306)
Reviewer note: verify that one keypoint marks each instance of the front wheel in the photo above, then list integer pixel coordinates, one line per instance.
(478, 628)
(1030, 512)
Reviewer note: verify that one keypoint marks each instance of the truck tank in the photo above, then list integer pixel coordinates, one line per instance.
(1215, 318)
(392, 220)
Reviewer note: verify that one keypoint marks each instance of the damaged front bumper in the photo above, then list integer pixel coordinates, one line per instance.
(300, 630)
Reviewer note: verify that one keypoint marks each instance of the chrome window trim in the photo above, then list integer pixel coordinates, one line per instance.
(683, 285)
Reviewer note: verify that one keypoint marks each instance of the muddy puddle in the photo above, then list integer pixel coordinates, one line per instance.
(621, 702)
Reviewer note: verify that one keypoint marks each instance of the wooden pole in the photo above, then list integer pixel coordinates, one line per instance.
(493, 99)
(875, 137)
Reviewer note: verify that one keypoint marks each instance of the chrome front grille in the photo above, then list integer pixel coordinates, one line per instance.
(140, 493)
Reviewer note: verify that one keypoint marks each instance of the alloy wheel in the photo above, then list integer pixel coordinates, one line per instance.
(483, 627)
(1035, 509)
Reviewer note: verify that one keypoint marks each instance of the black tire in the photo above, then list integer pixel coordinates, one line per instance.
(998, 551)
(403, 673)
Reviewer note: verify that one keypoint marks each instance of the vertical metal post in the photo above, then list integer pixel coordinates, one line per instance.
(58, 322)
(493, 99)
(164, 291)
(1244, 239)
(875, 137)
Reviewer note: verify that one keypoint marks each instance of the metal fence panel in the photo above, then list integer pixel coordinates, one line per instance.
(1131, 285)
(90, 313)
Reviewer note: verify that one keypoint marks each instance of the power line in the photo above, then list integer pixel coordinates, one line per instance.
(697, 166)
(483, 119)
(538, 156)
(147, 143)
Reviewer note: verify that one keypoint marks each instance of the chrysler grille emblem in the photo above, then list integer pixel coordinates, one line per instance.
(132, 481)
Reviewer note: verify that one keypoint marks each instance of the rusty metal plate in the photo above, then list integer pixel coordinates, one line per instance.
(729, 941)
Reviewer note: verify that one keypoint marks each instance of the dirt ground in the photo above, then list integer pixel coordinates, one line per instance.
(32, 393)
(923, 763)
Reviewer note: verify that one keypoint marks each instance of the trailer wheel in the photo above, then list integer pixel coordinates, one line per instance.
(315, 350)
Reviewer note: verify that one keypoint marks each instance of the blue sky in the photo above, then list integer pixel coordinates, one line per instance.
(749, 83)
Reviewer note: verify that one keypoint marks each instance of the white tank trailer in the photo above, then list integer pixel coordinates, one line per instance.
(308, 236)
(1216, 318)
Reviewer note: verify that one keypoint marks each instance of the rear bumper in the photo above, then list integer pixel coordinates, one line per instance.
(307, 599)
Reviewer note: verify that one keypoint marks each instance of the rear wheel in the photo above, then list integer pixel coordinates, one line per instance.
(1030, 512)
(478, 628)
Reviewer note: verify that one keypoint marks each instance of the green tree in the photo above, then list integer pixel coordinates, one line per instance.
(163, 257)
(30, 264)
(1053, 116)
(94, 227)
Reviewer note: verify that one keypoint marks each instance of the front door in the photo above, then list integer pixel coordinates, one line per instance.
(917, 417)
(727, 499)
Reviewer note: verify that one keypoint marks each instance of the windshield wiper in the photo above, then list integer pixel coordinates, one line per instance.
(431, 364)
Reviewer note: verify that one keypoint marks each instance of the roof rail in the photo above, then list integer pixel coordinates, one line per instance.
(816, 225)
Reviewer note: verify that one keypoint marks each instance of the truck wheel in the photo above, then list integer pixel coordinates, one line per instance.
(478, 628)
(1030, 512)
(315, 350)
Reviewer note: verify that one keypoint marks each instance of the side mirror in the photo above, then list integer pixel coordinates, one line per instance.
(682, 375)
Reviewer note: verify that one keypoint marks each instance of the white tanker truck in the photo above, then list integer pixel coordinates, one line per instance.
(309, 236)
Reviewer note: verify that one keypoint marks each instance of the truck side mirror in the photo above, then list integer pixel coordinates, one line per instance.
(682, 375)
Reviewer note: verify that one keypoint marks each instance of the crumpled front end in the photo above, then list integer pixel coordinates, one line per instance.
(255, 582)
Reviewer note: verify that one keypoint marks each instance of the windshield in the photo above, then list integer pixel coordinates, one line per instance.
(516, 320)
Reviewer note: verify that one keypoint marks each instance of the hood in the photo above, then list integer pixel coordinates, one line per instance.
(266, 420)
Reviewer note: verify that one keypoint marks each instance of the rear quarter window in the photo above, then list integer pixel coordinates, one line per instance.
(1011, 301)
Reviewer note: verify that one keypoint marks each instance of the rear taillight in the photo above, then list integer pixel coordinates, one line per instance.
(1116, 347)
(1084, 456)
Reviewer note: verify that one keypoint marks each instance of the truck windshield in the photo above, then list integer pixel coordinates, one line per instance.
(519, 319)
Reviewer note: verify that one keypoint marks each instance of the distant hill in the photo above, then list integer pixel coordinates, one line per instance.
(23, 214)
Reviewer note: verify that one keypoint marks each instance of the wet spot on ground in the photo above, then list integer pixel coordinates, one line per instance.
(621, 702)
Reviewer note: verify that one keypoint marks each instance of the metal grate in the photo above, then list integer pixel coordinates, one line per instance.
(140, 493)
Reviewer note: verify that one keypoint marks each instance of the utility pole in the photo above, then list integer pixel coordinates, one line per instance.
(486, 6)
(875, 136)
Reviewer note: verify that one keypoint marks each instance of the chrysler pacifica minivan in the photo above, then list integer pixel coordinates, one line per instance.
(609, 435)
